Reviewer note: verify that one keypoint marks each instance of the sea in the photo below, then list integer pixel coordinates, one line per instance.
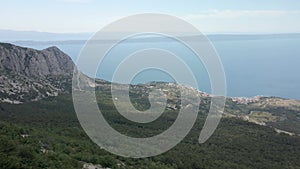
(268, 65)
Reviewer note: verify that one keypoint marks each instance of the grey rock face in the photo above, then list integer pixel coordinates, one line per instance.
(34, 63)
(29, 75)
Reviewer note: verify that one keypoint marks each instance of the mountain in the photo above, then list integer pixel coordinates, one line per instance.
(34, 63)
(39, 127)
(13, 35)
(36, 37)
(27, 74)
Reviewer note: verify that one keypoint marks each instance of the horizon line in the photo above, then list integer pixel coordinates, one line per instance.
(205, 33)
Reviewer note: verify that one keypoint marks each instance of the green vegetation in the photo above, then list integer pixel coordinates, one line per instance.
(47, 134)
(264, 117)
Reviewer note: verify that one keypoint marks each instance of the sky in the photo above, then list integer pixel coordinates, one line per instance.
(209, 16)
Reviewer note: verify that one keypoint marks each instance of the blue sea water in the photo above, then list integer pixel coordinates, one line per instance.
(269, 67)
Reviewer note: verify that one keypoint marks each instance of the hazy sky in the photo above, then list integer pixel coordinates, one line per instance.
(210, 16)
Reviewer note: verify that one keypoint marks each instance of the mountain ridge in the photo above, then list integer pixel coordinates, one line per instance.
(31, 62)
(28, 75)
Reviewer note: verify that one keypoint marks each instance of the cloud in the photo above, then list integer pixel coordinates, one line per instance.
(266, 21)
(231, 14)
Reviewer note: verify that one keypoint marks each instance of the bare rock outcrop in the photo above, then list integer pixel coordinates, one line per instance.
(27, 74)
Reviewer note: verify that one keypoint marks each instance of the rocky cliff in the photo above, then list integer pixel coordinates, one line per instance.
(34, 63)
(27, 74)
